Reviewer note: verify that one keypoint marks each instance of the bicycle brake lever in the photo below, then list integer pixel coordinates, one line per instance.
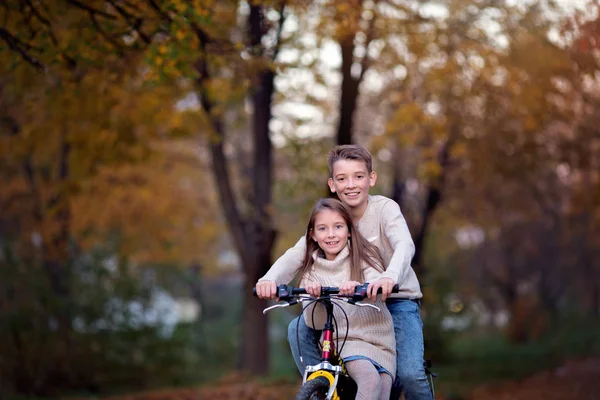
(303, 299)
(359, 304)
(280, 305)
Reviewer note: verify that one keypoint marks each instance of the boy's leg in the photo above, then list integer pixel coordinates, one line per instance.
(308, 339)
(410, 373)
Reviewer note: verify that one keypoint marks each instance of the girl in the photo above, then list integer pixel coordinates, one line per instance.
(338, 255)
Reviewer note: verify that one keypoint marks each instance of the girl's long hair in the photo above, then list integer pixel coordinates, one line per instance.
(361, 250)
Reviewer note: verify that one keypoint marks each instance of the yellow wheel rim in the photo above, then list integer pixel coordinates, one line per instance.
(329, 377)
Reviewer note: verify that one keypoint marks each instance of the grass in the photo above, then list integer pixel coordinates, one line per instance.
(479, 360)
(474, 359)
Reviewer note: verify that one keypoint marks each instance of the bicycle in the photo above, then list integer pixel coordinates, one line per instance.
(327, 380)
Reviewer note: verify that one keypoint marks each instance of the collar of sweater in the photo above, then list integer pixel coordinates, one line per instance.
(335, 264)
(368, 210)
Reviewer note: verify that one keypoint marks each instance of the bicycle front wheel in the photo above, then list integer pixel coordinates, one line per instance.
(315, 389)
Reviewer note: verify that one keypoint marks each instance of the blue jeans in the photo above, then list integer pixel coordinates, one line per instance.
(408, 327)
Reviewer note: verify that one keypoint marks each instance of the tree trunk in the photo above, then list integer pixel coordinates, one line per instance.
(349, 95)
(434, 196)
(255, 335)
(56, 255)
(432, 200)
(399, 183)
(53, 220)
(57, 263)
(596, 299)
(253, 235)
(350, 82)
(195, 271)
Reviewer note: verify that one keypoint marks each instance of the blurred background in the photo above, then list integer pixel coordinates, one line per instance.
(158, 155)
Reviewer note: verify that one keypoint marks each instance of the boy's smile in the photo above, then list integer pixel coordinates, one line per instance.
(351, 181)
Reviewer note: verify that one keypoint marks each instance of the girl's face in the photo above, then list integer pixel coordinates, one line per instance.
(330, 232)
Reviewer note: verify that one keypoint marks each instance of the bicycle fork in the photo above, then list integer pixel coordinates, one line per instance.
(325, 368)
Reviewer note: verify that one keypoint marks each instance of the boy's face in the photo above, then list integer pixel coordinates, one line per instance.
(351, 181)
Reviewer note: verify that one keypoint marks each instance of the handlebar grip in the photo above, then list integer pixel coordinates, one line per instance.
(360, 292)
(283, 291)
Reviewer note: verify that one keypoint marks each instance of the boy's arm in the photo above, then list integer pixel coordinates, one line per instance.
(398, 235)
(287, 266)
(371, 274)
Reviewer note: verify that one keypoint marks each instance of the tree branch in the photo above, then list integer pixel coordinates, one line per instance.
(118, 46)
(160, 12)
(38, 14)
(219, 162)
(21, 48)
(279, 30)
(365, 62)
(134, 21)
(93, 10)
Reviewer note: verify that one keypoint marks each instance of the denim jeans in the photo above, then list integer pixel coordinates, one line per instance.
(408, 327)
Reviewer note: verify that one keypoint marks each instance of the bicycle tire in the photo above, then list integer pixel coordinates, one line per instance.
(315, 389)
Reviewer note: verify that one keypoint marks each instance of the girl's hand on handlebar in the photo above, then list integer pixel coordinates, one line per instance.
(266, 290)
(347, 287)
(313, 288)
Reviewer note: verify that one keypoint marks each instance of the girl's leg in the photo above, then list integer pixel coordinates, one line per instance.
(386, 386)
(367, 379)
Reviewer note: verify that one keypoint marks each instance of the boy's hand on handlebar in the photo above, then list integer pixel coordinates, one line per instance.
(386, 285)
(313, 288)
(266, 290)
(347, 288)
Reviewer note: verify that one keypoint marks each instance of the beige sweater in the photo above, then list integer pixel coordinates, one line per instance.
(383, 225)
(370, 333)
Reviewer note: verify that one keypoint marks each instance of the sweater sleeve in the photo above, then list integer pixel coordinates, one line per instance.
(287, 266)
(370, 273)
(398, 235)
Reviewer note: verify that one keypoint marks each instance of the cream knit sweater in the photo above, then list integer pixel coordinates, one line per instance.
(370, 333)
(383, 225)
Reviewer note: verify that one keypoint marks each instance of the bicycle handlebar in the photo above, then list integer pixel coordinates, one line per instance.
(286, 293)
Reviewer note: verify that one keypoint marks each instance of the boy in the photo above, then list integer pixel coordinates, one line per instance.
(380, 220)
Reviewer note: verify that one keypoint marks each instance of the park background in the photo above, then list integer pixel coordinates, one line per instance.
(158, 155)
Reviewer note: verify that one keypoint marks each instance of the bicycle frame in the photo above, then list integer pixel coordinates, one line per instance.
(328, 354)
(331, 367)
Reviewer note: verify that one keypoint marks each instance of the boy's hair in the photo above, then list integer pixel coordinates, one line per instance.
(349, 152)
(362, 252)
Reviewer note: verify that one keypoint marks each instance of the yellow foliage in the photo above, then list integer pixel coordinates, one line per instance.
(162, 208)
(430, 170)
(123, 174)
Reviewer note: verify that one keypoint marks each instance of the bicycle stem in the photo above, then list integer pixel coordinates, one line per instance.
(328, 344)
